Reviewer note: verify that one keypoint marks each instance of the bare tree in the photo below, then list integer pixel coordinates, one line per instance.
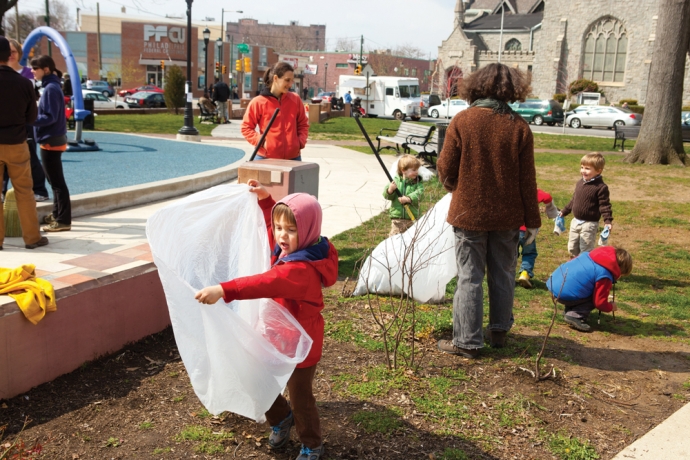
(5, 6)
(409, 50)
(27, 23)
(660, 140)
(346, 44)
(60, 19)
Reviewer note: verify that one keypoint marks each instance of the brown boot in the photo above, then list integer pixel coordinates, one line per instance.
(498, 338)
(447, 346)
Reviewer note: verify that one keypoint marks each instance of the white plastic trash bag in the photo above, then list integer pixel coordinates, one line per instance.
(239, 356)
(430, 260)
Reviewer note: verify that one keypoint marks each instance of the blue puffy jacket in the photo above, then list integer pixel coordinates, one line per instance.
(582, 273)
(51, 121)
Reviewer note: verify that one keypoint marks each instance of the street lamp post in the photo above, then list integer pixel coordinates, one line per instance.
(325, 76)
(188, 129)
(219, 48)
(222, 37)
(207, 36)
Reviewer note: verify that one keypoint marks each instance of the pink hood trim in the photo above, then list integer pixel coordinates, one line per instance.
(308, 215)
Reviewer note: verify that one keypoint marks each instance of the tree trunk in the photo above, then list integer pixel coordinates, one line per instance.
(660, 140)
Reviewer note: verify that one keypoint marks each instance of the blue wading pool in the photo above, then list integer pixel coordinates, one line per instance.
(131, 160)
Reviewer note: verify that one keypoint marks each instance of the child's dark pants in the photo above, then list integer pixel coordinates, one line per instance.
(304, 409)
(579, 309)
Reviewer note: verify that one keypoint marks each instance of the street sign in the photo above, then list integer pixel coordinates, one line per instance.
(243, 48)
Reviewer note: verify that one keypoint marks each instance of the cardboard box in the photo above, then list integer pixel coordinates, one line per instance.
(282, 177)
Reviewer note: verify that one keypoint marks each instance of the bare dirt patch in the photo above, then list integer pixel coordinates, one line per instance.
(138, 403)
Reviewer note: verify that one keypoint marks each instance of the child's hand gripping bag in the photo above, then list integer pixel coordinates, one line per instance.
(559, 226)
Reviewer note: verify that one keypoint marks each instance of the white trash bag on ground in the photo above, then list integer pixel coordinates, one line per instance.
(430, 260)
(239, 356)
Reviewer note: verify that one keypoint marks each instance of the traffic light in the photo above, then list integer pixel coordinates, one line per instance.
(217, 66)
(238, 65)
(225, 69)
(247, 65)
(162, 64)
(358, 69)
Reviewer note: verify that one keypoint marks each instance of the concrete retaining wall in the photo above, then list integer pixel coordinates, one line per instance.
(93, 319)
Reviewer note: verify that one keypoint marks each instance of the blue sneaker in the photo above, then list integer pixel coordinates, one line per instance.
(280, 433)
(311, 454)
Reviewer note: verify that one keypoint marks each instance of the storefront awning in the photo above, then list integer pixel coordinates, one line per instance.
(158, 62)
(354, 83)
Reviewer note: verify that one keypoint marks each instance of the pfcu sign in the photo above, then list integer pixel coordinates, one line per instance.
(173, 34)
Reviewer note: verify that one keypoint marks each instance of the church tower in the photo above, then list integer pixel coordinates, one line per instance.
(459, 14)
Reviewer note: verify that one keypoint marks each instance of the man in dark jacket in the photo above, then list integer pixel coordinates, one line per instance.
(19, 110)
(221, 94)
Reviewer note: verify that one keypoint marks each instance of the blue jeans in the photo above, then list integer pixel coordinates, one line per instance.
(259, 157)
(474, 251)
(529, 254)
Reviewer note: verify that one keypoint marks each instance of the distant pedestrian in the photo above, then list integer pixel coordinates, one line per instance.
(51, 134)
(89, 83)
(221, 96)
(19, 109)
(305, 93)
(67, 87)
(37, 173)
(288, 135)
(348, 98)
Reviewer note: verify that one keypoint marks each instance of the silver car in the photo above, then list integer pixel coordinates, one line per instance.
(587, 116)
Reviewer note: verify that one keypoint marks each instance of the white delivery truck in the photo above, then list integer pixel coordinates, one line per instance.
(393, 96)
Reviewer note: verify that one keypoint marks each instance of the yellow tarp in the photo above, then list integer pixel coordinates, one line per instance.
(34, 296)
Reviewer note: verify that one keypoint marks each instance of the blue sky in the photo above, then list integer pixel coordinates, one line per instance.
(384, 23)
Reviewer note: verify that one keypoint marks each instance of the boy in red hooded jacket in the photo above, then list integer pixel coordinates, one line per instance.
(302, 261)
(583, 283)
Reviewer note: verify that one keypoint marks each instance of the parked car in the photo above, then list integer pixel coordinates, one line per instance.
(587, 116)
(102, 87)
(102, 102)
(326, 96)
(444, 109)
(540, 111)
(429, 100)
(685, 117)
(148, 88)
(145, 99)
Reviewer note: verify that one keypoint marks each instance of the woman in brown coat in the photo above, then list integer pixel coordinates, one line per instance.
(487, 163)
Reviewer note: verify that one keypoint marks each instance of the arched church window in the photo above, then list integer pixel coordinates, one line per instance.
(513, 45)
(606, 45)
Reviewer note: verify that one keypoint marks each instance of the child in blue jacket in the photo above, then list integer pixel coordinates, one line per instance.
(583, 284)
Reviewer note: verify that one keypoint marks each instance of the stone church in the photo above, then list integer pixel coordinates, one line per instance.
(608, 41)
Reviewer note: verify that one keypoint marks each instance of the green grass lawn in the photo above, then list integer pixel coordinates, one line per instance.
(155, 123)
(651, 206)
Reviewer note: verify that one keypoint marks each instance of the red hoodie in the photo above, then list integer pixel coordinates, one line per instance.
(542, 197)
(295, 284)
(606, 257)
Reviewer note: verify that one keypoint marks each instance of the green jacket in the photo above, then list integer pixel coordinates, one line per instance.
(411, 189)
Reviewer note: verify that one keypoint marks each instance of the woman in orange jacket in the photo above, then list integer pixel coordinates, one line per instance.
(288, 135)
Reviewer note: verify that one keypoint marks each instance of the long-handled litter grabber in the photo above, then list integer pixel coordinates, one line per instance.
(378, 157)
(263, 136)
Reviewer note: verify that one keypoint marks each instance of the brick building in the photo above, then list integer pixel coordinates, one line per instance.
(280, 37)
(131, 52)
(320, 71)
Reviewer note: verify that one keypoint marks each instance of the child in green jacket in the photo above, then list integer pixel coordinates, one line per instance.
(409, 183)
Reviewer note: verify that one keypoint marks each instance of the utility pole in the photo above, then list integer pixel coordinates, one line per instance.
(98, 41)
(16, 23)
(500, 41)
(361, 49)
(50, 49)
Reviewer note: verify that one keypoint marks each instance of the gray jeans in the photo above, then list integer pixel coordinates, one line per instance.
(497, 251)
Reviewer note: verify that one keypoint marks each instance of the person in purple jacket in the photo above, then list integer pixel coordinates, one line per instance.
(51, 134)
(37, 173)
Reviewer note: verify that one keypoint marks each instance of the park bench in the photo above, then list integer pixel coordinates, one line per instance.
(407, 134)
(205, 115)
(623, 133)
(428, 150)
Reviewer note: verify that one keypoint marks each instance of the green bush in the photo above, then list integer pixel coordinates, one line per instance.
(636, 108)
(583, 85)
(629, 101)
(174, 89)
(560, 97)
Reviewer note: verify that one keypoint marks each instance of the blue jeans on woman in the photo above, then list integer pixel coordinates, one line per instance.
(474, 251)
(529, 254)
